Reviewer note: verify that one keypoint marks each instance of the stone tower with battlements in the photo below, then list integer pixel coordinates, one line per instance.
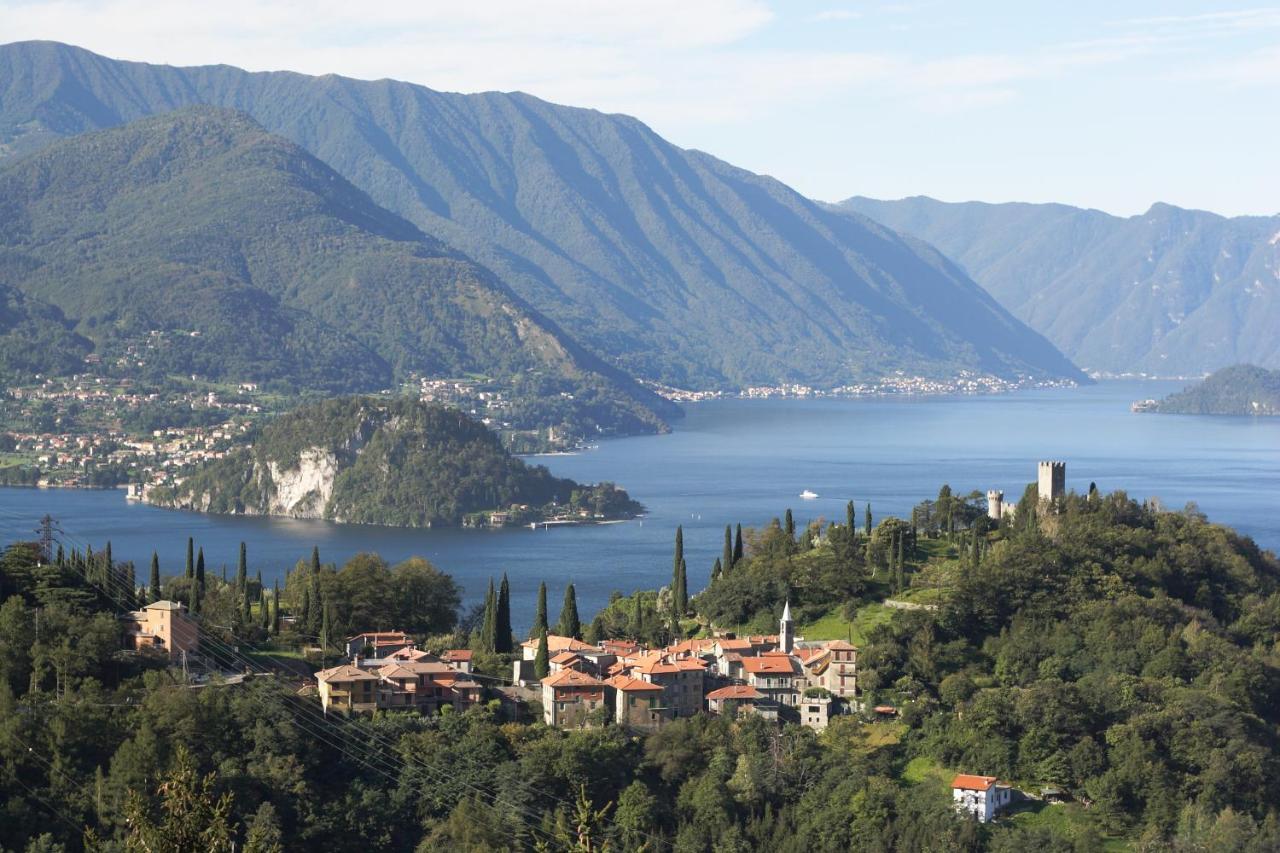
(1052, 483)
(995, 504)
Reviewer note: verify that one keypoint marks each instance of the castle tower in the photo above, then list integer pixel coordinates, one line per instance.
(995, 504)
(786, 630)
(1052, 483)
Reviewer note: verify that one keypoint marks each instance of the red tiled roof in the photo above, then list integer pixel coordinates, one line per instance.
(345, 672)
(557, 643)
(842, 646)
(565, 657)
(457, 654)
(571, 678)
(734, 645)
(632, 685)
(972, 783)
(768, 665)
(735, 691)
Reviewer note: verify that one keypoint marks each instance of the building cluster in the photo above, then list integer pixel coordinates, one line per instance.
(1051, 484)
(387, 672)
(776, 676)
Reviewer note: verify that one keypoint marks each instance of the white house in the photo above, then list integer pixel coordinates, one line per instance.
(980, 796)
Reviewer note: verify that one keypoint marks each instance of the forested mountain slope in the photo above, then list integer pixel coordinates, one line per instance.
(366, 460)
(267, 265)
(1169, 292)
(1242, 389)
(672, 264)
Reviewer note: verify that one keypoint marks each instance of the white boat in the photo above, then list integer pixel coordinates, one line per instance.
(808, 495)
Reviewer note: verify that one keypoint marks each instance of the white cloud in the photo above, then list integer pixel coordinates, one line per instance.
(834, 15)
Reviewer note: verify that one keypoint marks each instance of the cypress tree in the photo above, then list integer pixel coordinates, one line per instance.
(324, 631)
(503, 643)
(635, 626)
(789, 526)
(303, 621)
(679, 558)
(246, 606)
(540, 618)
(191, 558)
(569, 625)
(275, 610)
(726, 558)
(242, 568)
(902, 538)
(315, 559)
(716, 570)
(489, 627)
(867, 521)
(679, 588)
(542, 661)
(317, 595)
(737, 547)
(976, 546)
(61, 559)
(682, 599)
(155, 577)
(264, 620)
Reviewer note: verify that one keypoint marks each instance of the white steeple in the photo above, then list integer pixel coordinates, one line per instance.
(786, 629)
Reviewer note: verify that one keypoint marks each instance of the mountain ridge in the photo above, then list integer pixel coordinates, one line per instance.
(201, 221)
(1170, 291)
(671, 264)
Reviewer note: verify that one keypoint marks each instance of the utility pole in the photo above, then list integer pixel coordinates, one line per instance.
(48, 527)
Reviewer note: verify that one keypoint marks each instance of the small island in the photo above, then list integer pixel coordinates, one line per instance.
(387, 461)
(1243, 389)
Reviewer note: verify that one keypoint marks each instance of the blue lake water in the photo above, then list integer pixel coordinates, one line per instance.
(746, 461)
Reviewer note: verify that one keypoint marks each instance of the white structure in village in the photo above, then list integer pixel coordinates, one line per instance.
(980, 796)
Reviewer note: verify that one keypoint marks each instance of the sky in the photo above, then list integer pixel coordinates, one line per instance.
(1113, 105)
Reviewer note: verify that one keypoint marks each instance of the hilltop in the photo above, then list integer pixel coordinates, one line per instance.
(269, 266)
(1170, 292)
(671, 264)
(1243, 389)
(394, 462)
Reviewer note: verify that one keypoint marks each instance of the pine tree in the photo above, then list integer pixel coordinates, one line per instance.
(540, 618)
(726, 558)
(191, 558)
(242, 568)
(738, 552)
(155, 577)
(489, 627)
(275, 610)
(569, 625)
(503, 639)
(542, 661)
(867, 521)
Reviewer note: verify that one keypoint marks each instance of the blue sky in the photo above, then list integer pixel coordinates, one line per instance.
(1107, 105)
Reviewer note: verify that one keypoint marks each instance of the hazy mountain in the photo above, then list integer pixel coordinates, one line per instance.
(674, 264)
(1170, 292)
(260, 262)
(1242, 389)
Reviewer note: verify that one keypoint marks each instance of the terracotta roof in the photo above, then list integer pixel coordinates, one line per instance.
(557, 643)
(457, 654)
(395, 670)
(841, 645)
(768, 665)
(734, 645)
(566, 657)
(691, 663)
(427, 667)
(571, 678)
(653, 664)
(972, 783)
(735, 691)
(345, 672)
(411, 654)
(632, 685)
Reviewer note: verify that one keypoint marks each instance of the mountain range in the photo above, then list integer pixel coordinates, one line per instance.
(197, 242)
(1170, 292)
(669, 264)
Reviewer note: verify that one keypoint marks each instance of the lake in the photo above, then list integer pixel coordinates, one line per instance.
(731, 461)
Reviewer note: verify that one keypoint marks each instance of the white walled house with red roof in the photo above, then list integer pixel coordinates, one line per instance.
(980, 796)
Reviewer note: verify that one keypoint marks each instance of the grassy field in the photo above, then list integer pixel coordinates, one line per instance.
(1066, 819)
(834, 626)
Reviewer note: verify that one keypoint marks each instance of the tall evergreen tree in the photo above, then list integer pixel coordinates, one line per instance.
(679, 588)
(569, 625)
(867, 521)
(738, 552)
(191, 558)
(315, 559)
(242, 568)
(635, 626)
(302, 622)
(849, 518)
(540, 617)
(503, 639)
(726, 557)
(275, 609)
(542, 660)
(326, 641)
(264, 617)
(154, 592)
(789, 526)
(318, 603)
(717, 570)
(246, 606)
(976, 556)
(489, 626)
